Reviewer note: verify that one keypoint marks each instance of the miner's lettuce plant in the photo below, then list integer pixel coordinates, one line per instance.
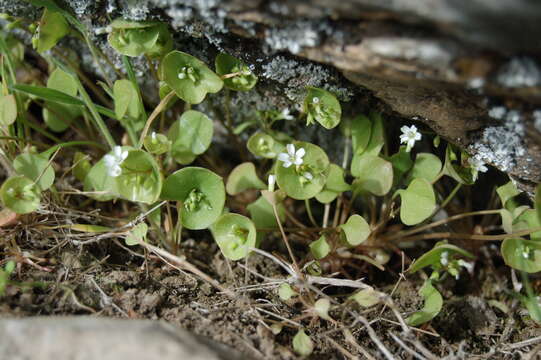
(345, 208)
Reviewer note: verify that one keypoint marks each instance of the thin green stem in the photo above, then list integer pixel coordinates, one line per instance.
(309, 211)
(161, 106)
(449, 235)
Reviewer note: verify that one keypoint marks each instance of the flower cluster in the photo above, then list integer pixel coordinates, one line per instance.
(114, 160)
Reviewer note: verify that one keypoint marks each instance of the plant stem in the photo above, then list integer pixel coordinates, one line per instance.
(284, 237)
(309, 211)
(441, 222)
(449, 235)
(152, 116)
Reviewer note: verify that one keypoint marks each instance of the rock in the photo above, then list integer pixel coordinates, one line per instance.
(81, 338)
(444, 63)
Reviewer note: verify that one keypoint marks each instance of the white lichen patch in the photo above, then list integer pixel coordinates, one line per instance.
(293, 37)
(136, 10)
(501, 145)
(519, 72)
(297, 76)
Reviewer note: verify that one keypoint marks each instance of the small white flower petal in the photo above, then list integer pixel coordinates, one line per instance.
(308, 176)
(287, 164)
(300, 153)
(290, 149)
(283, 157)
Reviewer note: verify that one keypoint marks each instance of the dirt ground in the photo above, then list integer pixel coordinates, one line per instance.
(479, 320)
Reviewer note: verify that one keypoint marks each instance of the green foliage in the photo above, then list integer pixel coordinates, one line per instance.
(432, 307)
(506, 193)
(126, 99)
(367, 134)
(200, 193)
(59, 116)
(264, 145)
(8, 110)
(243, 177)
(367, 297)
(453, 166)
(427, 166)
(132, 38)
(190, 136)
(20, 194)
(5, 273)
(35, 167)
(81, 166)
(306, 180)
(355, 231)
(47, 94)
(52, 27)
(157, 144)
(373, 174)
(189, 77)
(141, 179)
(436, 259)
(235, 235)
(323, 107)
(136, 234)
(418, 202)
(334, 186)
(320, 248)
(522, 254)
(285, 292)
(302, 344)
(243, 79)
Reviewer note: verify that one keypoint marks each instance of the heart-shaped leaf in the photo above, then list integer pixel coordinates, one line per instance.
(427, 166)
(418, 202)
(52, 27)
(323, 107)
(227, 64)
(126, 99)
(522, 254)
(20, 194)
(507, 192)
(134, 40)
(306, 180)
(243, 177)
(264, 145)
(373, 174)
(58, 116)
(189, 77)
(136, 234)
(235, 235)
(201, 194)
(320, 248)
(190, 135)
(302, 344)
(355, 231)
(402, 163)
(35, 167)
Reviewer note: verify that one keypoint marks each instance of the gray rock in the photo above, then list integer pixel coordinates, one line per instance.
(90, 338)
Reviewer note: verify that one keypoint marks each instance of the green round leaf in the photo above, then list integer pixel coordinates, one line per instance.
(235, 235)
(201, 194)
(323, 107)
(34, 167)
(374, 175)
(293, 179)
(527, 220)
(418, 202)
(190, 135)
(52, 27)
(8, 110)
(243, 177)
(355, 231)
(227, 64)
(286, 292)
(522, 254)
(262, 213)
(302, 344)
(427, 166)
(402, 163)
(432, 307)
(99, 185)
(507, 192)
(361, 129)
(62, 81)
(320, 248)
(141, 179)
(59, 116)
(189, 77)
(264, 145)
(164, 44)
(367, 297)
(20, 194)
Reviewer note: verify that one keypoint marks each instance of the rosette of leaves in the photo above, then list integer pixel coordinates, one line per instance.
(235, 235)
(188, 77)
(264, 145)
(293, 179)
(52, 27)
(200, 193)
(238, 75)
(56, 115)
(20, 194)
(190, 136)
(321, 106)
(134, 38)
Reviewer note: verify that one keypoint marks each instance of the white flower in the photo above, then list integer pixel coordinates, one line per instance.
(271, 182)
(467, 265)
(292, 156)
(477, 165)
(286, 115)
(307, 175)
(409, 136)
(315, 100)
(153, 136)
(114, 160)
(444, 258)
